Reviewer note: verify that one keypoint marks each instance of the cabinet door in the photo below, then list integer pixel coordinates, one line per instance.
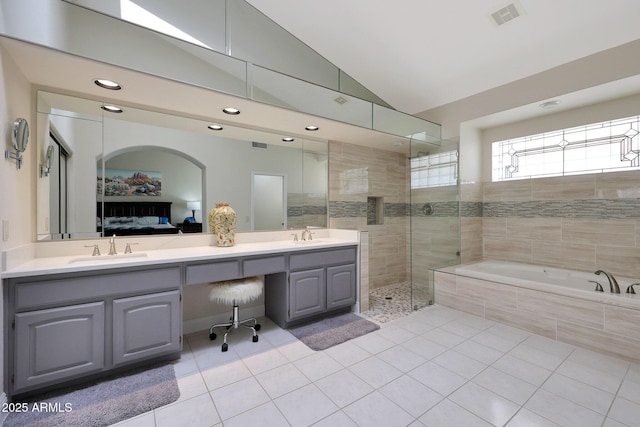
(59, 343)
(307, 293)
(145, 326)
(341, 286)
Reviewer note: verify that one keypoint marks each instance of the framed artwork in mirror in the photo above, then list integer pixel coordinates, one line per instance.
(120, 182)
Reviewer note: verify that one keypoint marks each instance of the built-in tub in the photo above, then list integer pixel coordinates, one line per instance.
(571, 283)
(558, 303)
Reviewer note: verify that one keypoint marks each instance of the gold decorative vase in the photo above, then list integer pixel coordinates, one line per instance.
(222, 223)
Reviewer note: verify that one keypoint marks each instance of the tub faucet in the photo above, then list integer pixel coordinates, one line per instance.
(630, 289)
(613, 283)
(112, 245)
(598, 286)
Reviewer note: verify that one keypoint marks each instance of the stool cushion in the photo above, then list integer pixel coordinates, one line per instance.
(240, 291)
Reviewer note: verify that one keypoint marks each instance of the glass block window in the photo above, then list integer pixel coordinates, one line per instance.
(598, 147)
(434, 170)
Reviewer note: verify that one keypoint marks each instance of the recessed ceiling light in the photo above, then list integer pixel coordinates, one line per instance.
(288, 139)
(549, 104)
(215, 127)
(231, 110)
(312, 128)
(112, 108)
(107, 84)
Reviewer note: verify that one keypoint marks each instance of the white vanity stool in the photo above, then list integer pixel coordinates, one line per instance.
(234, 292)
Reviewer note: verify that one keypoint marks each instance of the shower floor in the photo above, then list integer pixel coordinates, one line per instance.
(390, 302)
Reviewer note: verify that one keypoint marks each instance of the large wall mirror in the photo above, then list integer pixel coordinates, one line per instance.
(144, 172)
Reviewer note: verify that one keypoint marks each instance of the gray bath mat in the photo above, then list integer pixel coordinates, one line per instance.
(100, 403)
(328, 332)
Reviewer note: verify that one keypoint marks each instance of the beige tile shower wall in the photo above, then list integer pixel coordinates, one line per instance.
(470, 225)
(566, 240)
(600, 327)
(356, 172)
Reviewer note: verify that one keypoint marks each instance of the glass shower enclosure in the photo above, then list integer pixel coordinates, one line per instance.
(434, 218)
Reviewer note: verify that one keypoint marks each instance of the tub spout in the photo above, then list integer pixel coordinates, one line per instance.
(613, 283)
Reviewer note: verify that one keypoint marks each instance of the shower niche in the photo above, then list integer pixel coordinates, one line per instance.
(375, 210)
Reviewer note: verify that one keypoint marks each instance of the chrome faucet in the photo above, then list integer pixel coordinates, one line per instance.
(112, 245)
(306, 234)
(96, 249)
(613, 283)
(127, 250)
(598, 286)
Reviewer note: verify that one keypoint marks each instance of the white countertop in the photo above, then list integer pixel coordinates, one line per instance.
(159, 250)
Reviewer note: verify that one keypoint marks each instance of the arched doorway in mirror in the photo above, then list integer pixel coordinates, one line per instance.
(140, 184)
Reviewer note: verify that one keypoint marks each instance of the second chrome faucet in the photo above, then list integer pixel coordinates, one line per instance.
(613, 283)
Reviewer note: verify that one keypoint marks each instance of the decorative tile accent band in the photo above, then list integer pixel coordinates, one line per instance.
(581, 208)
(339, 209)
(395, 209)
(435, 209)
(471, 209)
(306, 210)
(585, 208)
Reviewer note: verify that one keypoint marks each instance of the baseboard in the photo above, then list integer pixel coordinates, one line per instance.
(202, 323)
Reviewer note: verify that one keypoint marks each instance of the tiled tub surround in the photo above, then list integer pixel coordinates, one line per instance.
(598, 321)
(584, 222)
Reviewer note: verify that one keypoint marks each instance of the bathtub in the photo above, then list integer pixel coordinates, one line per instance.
(559, 281)
(557, 303)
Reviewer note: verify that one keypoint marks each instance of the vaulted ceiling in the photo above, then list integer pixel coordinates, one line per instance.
(420, 55)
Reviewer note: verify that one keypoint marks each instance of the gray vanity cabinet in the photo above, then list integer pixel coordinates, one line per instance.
(57, 343)
(64, 327)
(307, 293)
(319, 281)
(145, 325)
(341, 290)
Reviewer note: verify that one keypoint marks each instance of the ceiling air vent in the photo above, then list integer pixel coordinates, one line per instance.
(258, 144)
(340, 100)
(505, 14)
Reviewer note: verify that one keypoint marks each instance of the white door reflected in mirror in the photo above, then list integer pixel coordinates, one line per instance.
(269, 199)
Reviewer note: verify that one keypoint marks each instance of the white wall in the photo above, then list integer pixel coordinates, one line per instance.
(18, 197)
(84, 138)
(17, 186)
(227, 163)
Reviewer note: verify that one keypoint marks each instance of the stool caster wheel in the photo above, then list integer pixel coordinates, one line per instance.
(225, 347)
(257, 327)
(255, 338)
(212, 336)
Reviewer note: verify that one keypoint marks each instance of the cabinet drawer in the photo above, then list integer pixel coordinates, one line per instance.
(299, 261)
(71, 289)
(264, 265)
(213, 272)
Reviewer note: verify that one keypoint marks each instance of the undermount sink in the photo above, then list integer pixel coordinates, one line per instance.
(103, 258)
(307, 242)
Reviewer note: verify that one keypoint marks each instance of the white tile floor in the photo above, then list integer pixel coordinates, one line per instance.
(434, 367)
